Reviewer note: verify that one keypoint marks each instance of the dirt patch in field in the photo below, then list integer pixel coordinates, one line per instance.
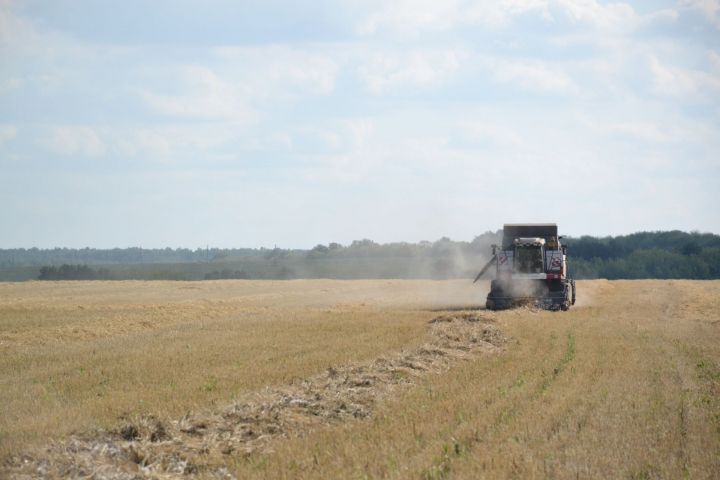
(198, 443)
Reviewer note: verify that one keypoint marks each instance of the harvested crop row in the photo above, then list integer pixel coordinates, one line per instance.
(150, 447)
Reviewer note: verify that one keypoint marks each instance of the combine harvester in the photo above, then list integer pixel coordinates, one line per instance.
(530, 268)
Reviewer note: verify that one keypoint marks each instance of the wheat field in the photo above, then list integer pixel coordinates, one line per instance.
(357, 379)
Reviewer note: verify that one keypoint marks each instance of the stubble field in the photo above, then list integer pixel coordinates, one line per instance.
(357, 379)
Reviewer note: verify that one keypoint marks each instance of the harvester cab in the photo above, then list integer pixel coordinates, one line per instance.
(529, 255)
(530, 268)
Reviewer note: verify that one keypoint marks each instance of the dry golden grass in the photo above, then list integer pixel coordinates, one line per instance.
(624, 385)
(76, 355)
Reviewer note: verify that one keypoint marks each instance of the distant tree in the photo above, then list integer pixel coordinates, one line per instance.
(286, 273)
(364, 243)
(711, 258)
(691, 248)
(48, 273)
(276, 253)
(668, 254)
(72, 272)
(443, 268)
(320, 249)
(226, 274)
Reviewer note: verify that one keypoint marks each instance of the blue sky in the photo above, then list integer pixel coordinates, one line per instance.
(177, 123)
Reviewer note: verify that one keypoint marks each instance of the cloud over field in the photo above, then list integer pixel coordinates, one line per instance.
(392, 120)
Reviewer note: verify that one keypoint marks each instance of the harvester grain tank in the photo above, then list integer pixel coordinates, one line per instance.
(530, 268)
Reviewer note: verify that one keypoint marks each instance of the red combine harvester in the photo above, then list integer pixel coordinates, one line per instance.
(531, 268)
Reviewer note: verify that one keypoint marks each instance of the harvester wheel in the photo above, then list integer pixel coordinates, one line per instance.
(567, 301)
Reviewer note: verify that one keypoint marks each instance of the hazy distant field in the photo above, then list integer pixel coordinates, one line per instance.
(624, 385)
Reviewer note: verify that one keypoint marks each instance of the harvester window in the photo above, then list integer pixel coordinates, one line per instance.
(529, 259)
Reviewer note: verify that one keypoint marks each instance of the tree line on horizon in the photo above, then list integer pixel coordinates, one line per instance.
(73, 272)
(669, 254)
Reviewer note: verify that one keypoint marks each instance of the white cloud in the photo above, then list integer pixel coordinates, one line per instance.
(7, 132)
(610, 16)
(20, 36)
(671, 80)
(410, 17)
(146, 143)
(311, 139)
(236, 82)
(407, 16)
(643, 131)
(491, 133)
(714, 59)
(9, 84)
(531, 75)
(384, 72)
(666, 15)
(311, 74)
(678, 81)
(75, 140)
(177, 143)
(334, 112)
(278, 71)
(207, 96)
(384, 161)
(339, 137)
(665, 131)
(360, 131)
(14, 30)
(710, 9)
